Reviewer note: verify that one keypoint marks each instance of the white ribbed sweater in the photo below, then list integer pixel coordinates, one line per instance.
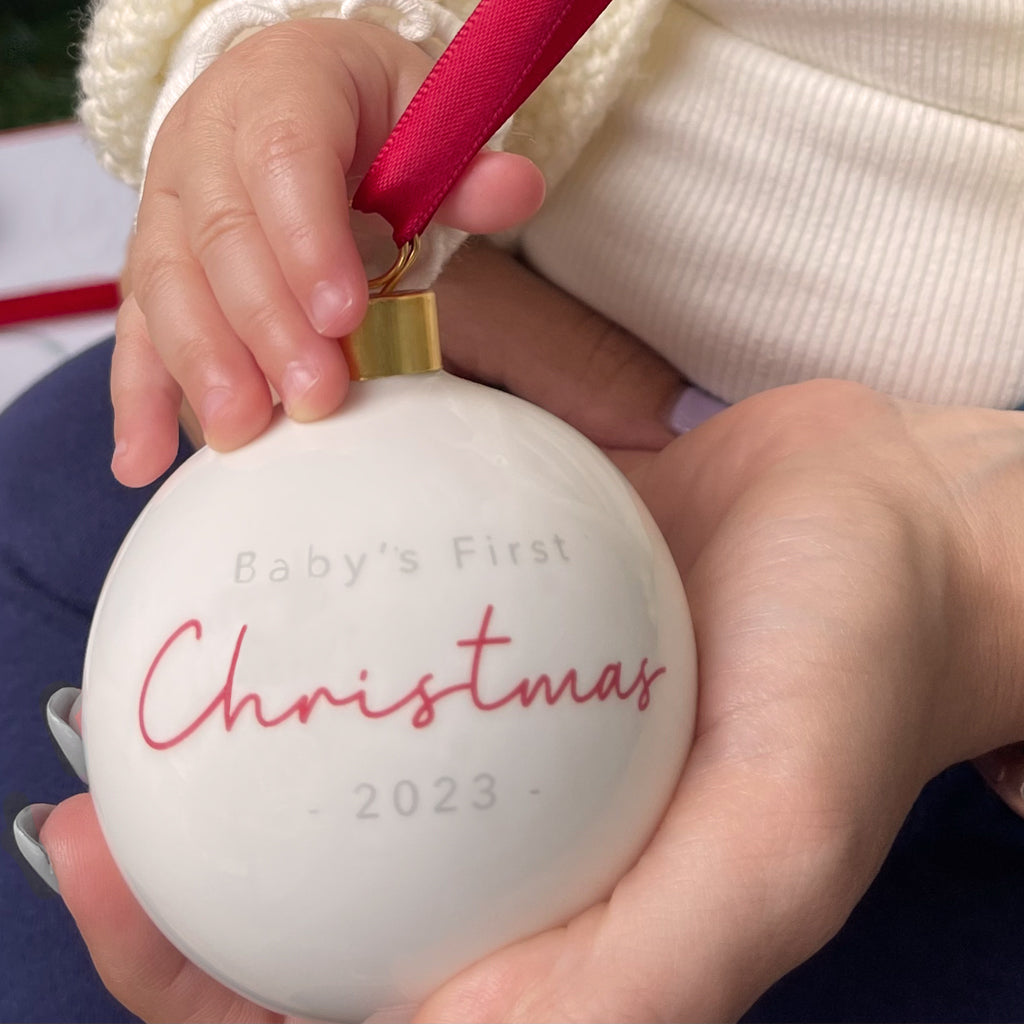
(764, 190)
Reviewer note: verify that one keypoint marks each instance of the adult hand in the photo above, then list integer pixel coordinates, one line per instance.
(244, 269)
(851, 575)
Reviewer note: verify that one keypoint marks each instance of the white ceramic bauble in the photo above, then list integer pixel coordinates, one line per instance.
(375, 696)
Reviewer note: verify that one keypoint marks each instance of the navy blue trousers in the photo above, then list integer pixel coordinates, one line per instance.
(939, 937)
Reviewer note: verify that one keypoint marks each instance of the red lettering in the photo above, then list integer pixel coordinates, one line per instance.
(419, 699)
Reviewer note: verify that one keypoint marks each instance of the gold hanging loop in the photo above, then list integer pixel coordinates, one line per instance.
(399, 333)
(386, 283)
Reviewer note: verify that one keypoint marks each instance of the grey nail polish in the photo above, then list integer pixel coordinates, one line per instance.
(62, 711)
(392, 1014)
(27, 824)
(693, 406)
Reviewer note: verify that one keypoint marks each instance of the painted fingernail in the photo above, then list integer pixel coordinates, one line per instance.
(328, 303)
(64, 719)
(1003, 770)
(392, 1014)
(120, 449)
(27, 824)
(297, 381)
(693, 406)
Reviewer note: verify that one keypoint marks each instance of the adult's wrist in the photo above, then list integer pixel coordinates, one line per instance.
(975, 458)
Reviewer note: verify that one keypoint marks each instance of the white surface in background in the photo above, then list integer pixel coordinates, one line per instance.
(63, 221)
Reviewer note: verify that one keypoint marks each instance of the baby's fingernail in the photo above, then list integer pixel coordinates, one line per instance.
(297, 381)
(693, 406)
(27, 824)
(328, 304)
(64, 719)
(212, 407)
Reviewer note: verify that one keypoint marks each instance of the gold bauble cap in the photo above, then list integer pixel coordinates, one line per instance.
(398, 336)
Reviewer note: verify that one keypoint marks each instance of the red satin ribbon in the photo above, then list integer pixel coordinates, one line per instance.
(503, 52)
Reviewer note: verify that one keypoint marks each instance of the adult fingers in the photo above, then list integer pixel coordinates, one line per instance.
(748, 876)
(783, 815)
(809, 751)
(139, 966)
(504, 325)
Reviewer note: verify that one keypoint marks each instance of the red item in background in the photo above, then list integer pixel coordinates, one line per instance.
(87, 298)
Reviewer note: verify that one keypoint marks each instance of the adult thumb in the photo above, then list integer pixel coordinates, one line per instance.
(503, 325)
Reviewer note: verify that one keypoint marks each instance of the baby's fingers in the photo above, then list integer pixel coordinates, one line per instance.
(146, 399)
(307, 369)
(497, 191)
(291, 164)
(189, 330)
(299, 150)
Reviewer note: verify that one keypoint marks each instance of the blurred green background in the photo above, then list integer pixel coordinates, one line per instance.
(38, 55)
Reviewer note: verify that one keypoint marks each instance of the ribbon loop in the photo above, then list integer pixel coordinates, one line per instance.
(501, 54)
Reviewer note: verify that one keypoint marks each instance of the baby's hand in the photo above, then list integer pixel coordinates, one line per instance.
(244, 269)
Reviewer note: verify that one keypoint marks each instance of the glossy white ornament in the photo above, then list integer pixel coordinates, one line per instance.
(372, 697)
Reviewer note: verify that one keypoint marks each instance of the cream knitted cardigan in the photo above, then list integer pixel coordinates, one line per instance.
(135, 48)
(141, 55)
(804, 188)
